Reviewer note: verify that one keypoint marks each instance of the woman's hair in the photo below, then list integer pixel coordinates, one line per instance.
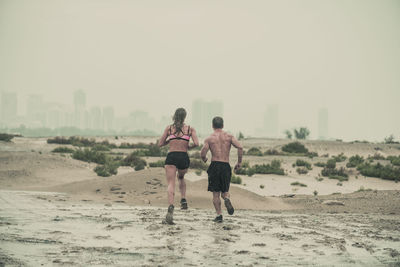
(179, 118)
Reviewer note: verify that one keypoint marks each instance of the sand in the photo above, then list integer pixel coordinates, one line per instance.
(55, 211)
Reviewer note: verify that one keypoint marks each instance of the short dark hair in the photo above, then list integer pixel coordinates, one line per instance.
(218, 122)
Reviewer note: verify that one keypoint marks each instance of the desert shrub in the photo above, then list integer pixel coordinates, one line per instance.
(394, 160)
(298, 184)
(320, 164)
(236, 179)
(254, 151)
(302, 170)
(288, 134)
(273, 168)
(198, 172)
(240, 136)
(331, 164)
(195, 155)
(354, 161)
(101, 147)
(362, 189)
(332, 172)
(319, 179)
(315, 192)
(390, 140)
(90, 155)
(378, 170)
(152, 150)
(140, 165)
(262, 186)
(133, 161)
(63, 149)
(301, 133)
(312, 154)
(376, 156)
(339, 183)
(6, 137)
(107, 169)
(159, 163)
(271, 152)
(198, 164)
(339, 158)
(295, 147)
(303, 163)
(245, 164)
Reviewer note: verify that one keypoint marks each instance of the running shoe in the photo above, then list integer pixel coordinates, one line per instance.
(169, 217)
(229, 206)
(218, 219)
(184, 204)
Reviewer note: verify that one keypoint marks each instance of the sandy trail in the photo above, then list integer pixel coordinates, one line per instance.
(36, 230)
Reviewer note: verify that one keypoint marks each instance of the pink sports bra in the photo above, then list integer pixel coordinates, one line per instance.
(185, 137)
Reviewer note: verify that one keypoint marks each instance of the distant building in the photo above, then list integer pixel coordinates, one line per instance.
(140, 120)
(202, 114)
(323, 123)
(80, 115)
(271, 121)
(36, 111)
(108, 118)
(8, 109)
(95, 118)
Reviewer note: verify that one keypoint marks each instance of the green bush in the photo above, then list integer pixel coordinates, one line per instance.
(108, 169)
(298, 184)
(132, 160)
(394, 160)
(354, 161)
(198, 172)
(198, 164)
(273, 168)
(272, 152)
(301, 133)
(331, 172)
(376, 156)
(295, 147)
(378, 170)
(339, 158)
(63, 149)
(303, 163)
(140, 165)
(236, 179)
(6, 137)
(320, 164)
(90, 155)
(302, 170)
(101, 147)
(262, 186)
(254, 151)
(152, 150)
(159, 163)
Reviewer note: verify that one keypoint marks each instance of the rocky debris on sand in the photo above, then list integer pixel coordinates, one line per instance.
(333, 203)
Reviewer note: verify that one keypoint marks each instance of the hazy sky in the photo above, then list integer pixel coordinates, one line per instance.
(160, 55)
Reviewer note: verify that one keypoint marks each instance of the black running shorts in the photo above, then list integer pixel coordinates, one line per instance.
(179, 159)
(219, 176)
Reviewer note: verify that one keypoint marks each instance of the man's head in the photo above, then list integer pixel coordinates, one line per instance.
(218, 123)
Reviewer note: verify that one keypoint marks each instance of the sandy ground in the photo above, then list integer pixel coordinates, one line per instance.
(55, 211)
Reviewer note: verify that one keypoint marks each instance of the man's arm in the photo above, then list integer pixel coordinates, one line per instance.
(163, 140)
(204, 150)
(239, 147)
(194, 138)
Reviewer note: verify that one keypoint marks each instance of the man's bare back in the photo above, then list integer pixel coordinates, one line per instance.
(220, 143)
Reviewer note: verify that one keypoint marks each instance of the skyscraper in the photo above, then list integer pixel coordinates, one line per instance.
(80, 116)
(35, 111)
(108, 118)
(271, 121)
(8, 107)
(323, 123)
(202, 114)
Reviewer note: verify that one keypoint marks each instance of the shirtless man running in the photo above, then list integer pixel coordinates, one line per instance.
(219, 172)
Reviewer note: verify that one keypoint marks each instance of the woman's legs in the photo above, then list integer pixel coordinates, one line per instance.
(170, 172)
(182, 183)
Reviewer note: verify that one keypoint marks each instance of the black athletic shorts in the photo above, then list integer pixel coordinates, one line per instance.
(219, 176)
(179, 159)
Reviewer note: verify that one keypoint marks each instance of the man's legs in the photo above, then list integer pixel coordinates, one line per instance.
(217, 202)
(228, 203)
(182, 188)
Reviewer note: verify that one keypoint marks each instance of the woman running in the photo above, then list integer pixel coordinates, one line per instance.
(177, 162)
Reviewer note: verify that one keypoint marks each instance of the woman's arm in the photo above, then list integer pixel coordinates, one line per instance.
(163, 140)
(194, 138)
